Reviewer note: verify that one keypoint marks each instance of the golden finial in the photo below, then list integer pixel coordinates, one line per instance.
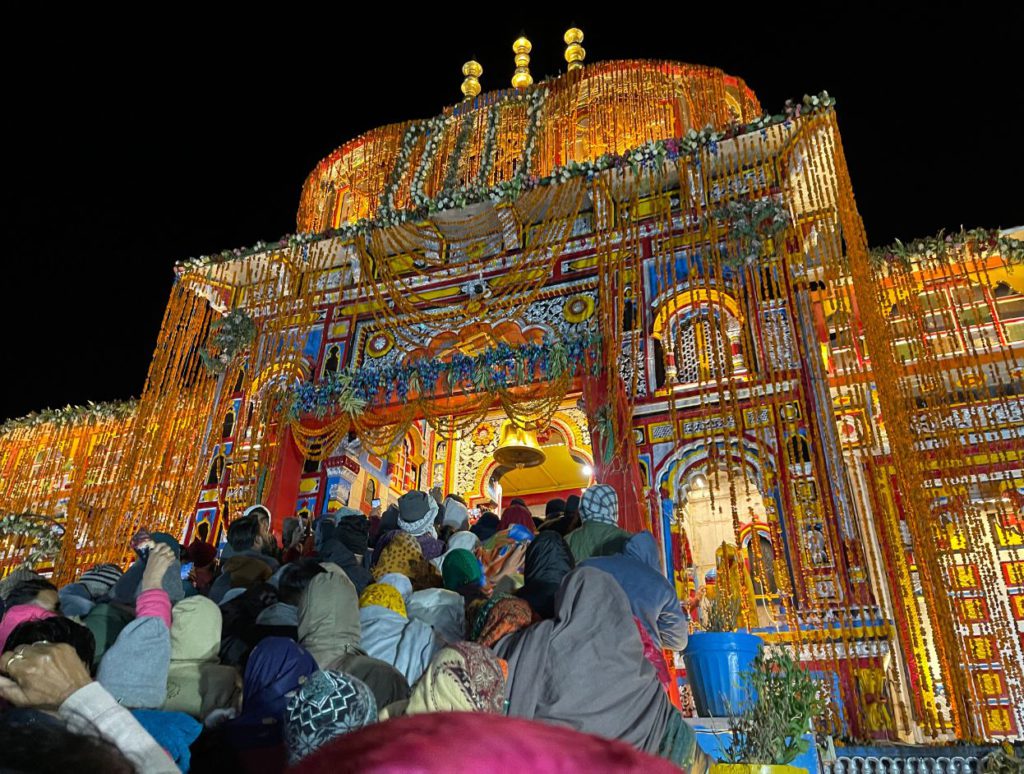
(522, 78)
(471, 86)
(574, 52)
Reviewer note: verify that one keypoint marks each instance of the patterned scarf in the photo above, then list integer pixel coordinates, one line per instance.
(600, 503)
(464, 677)
(328, 705)
(404, 555)
(500, 616)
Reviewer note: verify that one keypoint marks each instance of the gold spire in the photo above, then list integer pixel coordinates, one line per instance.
(522, 78)
(471, 86)
(574, 52)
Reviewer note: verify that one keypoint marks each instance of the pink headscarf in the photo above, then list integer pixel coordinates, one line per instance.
(18, 615)
(492, 743)
(517, 514)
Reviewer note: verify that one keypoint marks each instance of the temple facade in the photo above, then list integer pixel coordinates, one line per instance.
(660, 287)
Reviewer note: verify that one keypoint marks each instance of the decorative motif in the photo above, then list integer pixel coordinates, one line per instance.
(476, 289)
(483, 435)
(471, 458)
(578, 309)
(380, 344)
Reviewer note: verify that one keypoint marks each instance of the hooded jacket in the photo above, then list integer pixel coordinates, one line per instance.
(329, 628)
(406, 644)
(585, 668)
(197, 683)
(442, 609)
(225, 582)
(652, 597)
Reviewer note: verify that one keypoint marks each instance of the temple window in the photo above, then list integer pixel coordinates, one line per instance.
(800, 450)
(229, 424)
(216, 470)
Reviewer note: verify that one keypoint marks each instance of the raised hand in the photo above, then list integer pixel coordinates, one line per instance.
(42, 674)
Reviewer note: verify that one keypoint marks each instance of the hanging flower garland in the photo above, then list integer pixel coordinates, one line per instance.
(452, 175)
(490, 142)
(648, 155)
(980, 241)
(46, 535)
(433, 129)
(401, 168)
(497, 369)
(231, 334)
(70, 415)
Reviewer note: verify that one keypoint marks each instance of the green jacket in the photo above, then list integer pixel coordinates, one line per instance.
(596, 538)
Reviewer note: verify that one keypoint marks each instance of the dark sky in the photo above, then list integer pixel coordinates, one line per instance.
(127, 150)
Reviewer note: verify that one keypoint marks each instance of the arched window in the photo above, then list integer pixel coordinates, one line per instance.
(216, 470)
(702, 349)
(659, 363)
(229, 424)
(333, 361)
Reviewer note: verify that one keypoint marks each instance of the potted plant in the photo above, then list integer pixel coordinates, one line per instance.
(717, 654)
(770, 731)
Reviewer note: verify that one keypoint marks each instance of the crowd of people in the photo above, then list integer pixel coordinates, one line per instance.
(411, 640)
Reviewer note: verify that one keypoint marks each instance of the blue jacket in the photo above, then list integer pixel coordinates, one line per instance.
(652, 597)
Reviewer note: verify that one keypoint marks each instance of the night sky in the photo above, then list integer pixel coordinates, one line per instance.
(129, 150)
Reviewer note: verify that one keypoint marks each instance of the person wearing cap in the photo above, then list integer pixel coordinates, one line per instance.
(565, 522)
(599, 534)
(416, 513)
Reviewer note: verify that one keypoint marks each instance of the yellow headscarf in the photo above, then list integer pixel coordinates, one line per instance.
(404, 555)
(385, 595)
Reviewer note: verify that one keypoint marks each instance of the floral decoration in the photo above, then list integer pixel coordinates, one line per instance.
(230, 336)
(46, 536)
(498, 368)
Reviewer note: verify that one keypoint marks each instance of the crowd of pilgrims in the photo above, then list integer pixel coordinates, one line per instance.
(406, 641)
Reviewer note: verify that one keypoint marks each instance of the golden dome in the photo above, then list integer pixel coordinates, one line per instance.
(606, 107)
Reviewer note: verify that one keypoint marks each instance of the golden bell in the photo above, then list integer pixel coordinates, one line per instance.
(518, 448)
